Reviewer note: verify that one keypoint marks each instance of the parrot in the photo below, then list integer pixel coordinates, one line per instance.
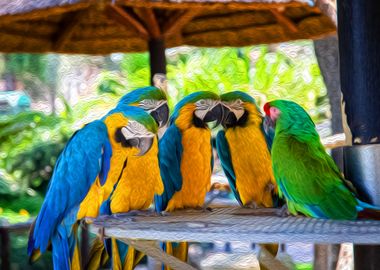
(306, 175)
(135, 190)
(185, 158)
(88, 166)
(244, 151)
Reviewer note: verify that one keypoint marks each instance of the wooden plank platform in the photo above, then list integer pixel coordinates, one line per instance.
(237, 224)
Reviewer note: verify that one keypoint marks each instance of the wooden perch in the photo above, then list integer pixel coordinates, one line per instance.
(147, 15)
(124, 18)
(151, 249)
(284, 21)
(176, 23)
(70, 22)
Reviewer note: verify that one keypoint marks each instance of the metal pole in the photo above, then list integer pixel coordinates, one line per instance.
(157, 57)
(359, 47)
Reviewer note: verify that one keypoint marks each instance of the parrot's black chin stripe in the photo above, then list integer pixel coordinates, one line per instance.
(161, 115)
(142, 143)
(230, 120)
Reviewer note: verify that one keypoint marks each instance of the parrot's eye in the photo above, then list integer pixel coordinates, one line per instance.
(151, 104)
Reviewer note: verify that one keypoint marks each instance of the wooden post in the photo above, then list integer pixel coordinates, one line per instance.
(5, 250)
(157, 57)
(84, 244)
(359, 46)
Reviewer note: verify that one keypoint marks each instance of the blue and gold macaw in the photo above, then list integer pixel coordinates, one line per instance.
(135, 190)
(244, 151)
(185, 157)
(83, 178)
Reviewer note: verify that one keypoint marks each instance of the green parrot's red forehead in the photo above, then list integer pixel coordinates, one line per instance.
(267, 108)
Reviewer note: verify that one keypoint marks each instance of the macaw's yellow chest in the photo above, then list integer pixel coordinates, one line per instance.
(97, 193)
(252, 165)
(195, 168)
(139, 182)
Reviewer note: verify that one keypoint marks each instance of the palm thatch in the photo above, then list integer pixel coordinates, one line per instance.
(106, 26)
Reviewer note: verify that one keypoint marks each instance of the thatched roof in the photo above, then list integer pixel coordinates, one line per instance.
(106, 26)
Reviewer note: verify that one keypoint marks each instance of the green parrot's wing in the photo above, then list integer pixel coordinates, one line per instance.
(169, 155)
(225, 159)
(308, 180)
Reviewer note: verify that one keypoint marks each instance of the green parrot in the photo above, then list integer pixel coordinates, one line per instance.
(306, 175)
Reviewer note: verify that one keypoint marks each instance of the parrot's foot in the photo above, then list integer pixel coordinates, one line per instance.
(205, 209)
(283, 211)
(134, 213)
(251, 205)
(164, 213)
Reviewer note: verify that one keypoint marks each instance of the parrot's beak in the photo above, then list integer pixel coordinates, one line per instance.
(142, 143)
(161, 115)
(229, 118)
(215, 114)
(269, 125)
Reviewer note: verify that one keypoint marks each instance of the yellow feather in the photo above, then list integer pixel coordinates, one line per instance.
(97, 193)
(251, 161)
(139, 182)
(195, 163)
(116, 262)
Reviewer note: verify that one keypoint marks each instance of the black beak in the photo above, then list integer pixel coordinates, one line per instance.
(142, 143)
(215, 114)
(269, 125)
(229, 119)
(161, 115)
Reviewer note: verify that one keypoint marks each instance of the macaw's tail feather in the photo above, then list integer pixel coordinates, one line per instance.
(272, 249)
(178, 250)
(98, 256)
(74, 248)
(61, 251)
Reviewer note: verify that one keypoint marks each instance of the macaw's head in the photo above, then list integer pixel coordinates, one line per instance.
(152, 100)
(198, 109)
(131, 127)
(287, 115)
(237, 106)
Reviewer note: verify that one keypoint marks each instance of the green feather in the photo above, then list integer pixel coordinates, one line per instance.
(307, 176)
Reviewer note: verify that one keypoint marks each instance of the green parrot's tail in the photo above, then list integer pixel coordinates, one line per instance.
(367, 211)
(178, 250)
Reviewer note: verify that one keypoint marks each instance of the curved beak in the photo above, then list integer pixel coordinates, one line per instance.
(229, 118)
(142, 143)
(215, 114)
(161, 115)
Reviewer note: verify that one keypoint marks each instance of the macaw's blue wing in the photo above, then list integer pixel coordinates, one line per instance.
(76, 169)
(225, 159)
(170, 155)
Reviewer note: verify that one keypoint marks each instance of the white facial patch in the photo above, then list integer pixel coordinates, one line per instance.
(151, 104)
(203, 106)
(236, 106)
(135, 130)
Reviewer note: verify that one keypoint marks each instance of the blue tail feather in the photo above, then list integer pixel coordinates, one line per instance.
(61, 252)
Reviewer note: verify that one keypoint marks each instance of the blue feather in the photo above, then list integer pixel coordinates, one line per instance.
(225, 158)
(170, 155)
(74, 173)
(61, 251)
